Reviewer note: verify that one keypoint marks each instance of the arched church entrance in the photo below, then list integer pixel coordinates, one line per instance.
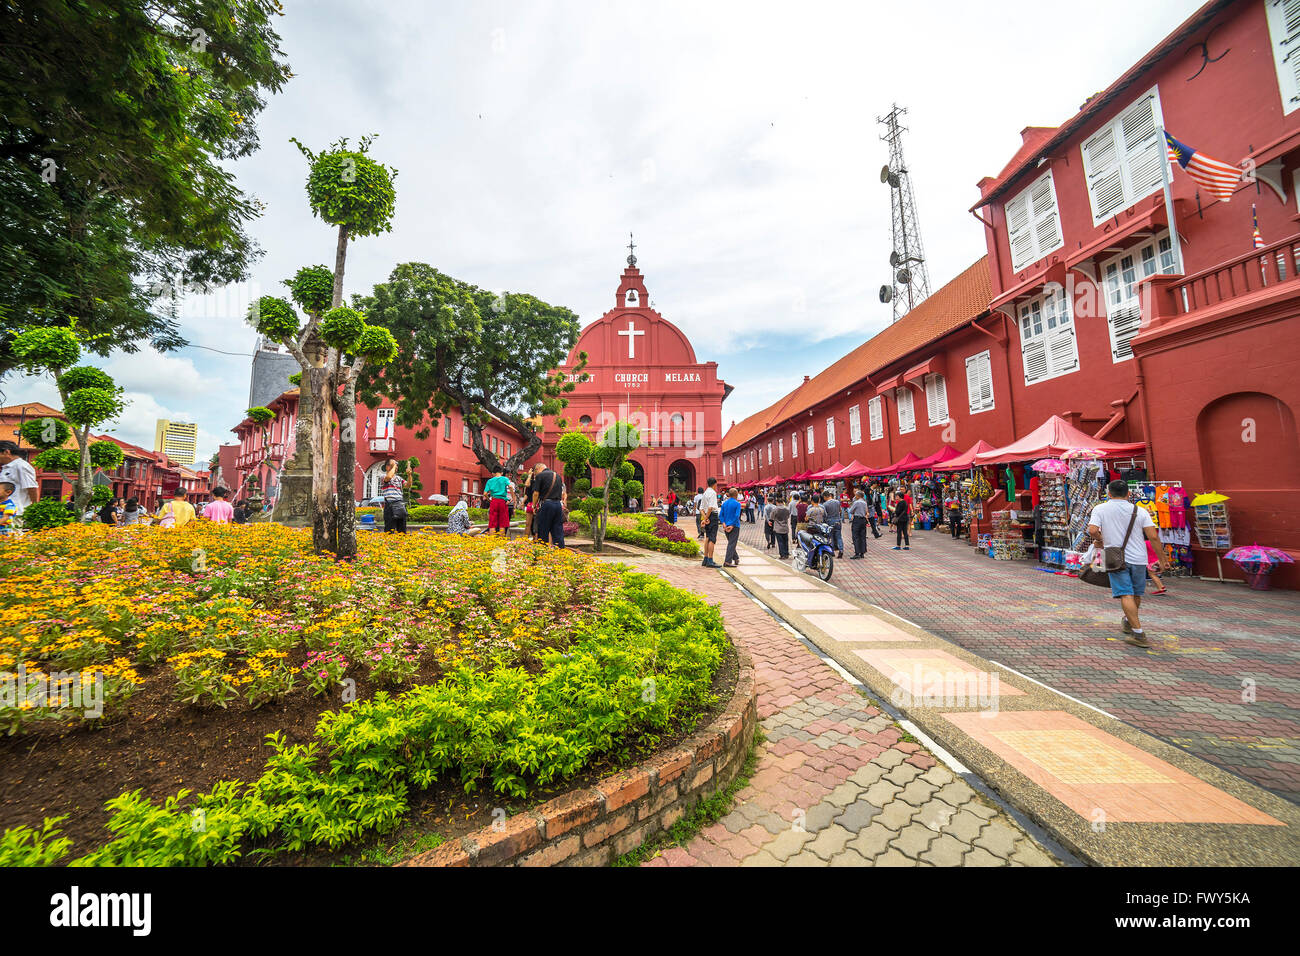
(681, 478)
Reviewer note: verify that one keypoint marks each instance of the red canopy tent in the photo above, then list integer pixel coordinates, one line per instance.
(906, 462)
(772, 482)
(966, 459)
(946, 453)
(830, 472)
(854, 469)
(1052, 439)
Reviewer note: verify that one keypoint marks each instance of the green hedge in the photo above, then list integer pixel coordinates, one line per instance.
(643, 669)
(642, 538)
(426, 514)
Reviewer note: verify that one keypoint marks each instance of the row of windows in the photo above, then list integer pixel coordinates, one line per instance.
(385, 427)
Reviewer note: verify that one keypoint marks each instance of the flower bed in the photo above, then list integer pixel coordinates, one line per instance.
(645, 531)
(511, 665)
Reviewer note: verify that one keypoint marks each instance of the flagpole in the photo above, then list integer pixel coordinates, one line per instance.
(1174, 242)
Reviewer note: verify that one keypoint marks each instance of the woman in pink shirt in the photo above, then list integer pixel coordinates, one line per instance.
(219, 510)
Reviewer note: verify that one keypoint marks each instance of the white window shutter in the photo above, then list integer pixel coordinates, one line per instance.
(876, 418)
(1101, 161)
(1284, 30)
(986, 382)
(1062, 351)
(1143, 152)
(906, 414)
(1020, 234)
(1034, 356)
(936, 399)
(830, 432)
(855, 425)
(1125, 323)
(1047, 224)
(812, 447)
(794, 445)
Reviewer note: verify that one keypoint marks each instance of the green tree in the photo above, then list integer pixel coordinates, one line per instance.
(351, 191)
(610, 453)
(89, 398)
(465, 348)
(118, 122)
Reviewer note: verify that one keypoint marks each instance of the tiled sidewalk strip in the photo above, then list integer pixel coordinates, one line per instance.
(835, 784)
(1107, 791)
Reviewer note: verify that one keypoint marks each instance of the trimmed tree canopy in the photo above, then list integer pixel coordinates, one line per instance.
(274, 318)
(46, 432)
(348, 188)
(312, 287)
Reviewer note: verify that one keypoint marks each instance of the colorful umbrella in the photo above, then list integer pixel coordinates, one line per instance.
(1259, 554)
(1208, 498)
(1051, 466)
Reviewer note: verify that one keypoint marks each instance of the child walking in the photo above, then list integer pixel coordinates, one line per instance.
(1153, 563)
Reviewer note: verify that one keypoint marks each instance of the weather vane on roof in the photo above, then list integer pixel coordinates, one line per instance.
(631, 250)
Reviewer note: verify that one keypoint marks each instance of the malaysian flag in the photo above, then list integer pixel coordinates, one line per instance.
(1215, 177)
(1259, 240)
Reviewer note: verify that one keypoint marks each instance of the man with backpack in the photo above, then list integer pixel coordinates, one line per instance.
(1112, 525)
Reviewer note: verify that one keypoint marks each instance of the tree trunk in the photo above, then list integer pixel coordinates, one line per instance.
(322, 477)
(340, 260)
(84, 487)
(346, 509)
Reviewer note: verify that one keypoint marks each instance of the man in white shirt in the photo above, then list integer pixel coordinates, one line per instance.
(15, 470)
(708, 515)
(1109, 522)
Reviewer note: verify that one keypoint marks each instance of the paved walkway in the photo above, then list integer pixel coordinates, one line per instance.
(1107, 791)
(1222, 682)
(837, 783)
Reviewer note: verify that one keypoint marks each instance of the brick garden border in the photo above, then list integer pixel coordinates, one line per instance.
(596, 825)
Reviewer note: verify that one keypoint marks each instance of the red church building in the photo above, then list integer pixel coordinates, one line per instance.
(643, 369)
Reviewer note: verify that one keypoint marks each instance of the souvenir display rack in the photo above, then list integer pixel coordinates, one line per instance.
(1008, 543)
(1053, 518)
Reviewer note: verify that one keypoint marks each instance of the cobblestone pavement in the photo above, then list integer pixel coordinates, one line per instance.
(836, 782)
(1222, 682)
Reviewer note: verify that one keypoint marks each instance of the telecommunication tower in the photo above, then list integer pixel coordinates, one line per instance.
(911, 279)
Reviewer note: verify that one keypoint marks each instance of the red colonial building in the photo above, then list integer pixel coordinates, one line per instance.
(1082, 307)
(643, 369)
(447, 465)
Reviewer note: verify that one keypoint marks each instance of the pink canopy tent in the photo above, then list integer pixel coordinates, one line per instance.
(830, 472)
(1052, 439)
(906, 462)
(946, 453)
(966, 459)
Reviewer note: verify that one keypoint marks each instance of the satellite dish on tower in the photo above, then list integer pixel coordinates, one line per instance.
(885, 174)
(886, 294)
(894, 260)
(904, 276)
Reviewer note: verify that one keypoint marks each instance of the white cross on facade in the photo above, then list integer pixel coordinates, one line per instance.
(631, 332)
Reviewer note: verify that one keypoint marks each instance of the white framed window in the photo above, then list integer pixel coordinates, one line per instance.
(876, 418)
(906, 415)
(855, 426)
(464, 435)
(769, 453)
(1122, 160)
(464, 486)
(384, 422)
(1120, 276)
(936, 399)
(794, 445)
(812, 447)
(475, 488)
(830, 432)
(1033, 224)
(780, 449)
(979, 382)
(1047, 344)
(1284, 30)
(446, 429)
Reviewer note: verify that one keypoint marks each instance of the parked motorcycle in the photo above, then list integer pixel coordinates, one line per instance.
(816, 552)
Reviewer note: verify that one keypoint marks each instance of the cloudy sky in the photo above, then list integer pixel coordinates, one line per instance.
(737, 140)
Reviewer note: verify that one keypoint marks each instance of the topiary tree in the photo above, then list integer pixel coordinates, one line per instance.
(349, 190)
(626, 472)
(47, 513)
(575, 449)
(582, 487)
(101, 496)
(90, 398)
(634, 489)
(612, 448)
